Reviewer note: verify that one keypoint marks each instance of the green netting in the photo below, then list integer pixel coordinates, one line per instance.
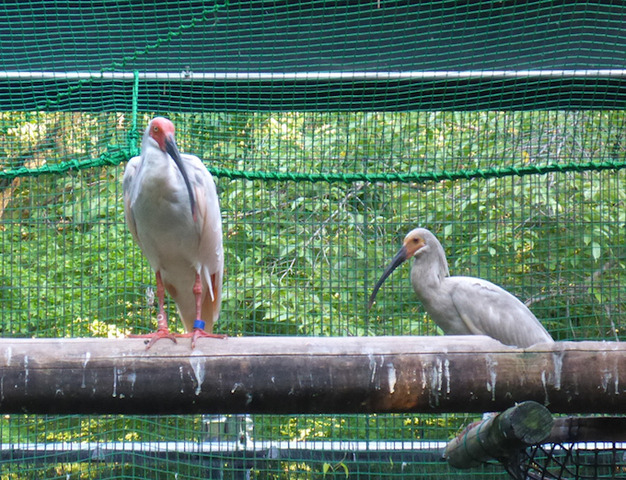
(332, 130)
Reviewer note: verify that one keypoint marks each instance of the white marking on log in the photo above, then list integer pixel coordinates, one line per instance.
(546, 400)
(439, 376)
(557, 358)
(391, 377)
(606, 375)
(606, 378)
(493, 375)
(197, 365)
(236, 386)
(372, 366)
(446, 374)
(87, 357)
(25, 374)
(132, 378)
(435, 381)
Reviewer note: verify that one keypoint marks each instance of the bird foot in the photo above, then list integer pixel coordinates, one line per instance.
(197, 333)
(156, 336)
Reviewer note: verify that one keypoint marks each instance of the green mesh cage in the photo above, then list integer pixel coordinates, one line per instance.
(332, 129)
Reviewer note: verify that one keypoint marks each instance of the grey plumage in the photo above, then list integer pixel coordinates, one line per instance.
(463, 305)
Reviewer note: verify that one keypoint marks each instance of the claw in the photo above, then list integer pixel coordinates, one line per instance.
(156, 336)
(197, 333)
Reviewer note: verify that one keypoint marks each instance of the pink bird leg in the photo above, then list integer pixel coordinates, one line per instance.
(163, 330)
(199, 324)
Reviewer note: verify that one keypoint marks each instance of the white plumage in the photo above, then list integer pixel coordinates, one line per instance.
(173, 213)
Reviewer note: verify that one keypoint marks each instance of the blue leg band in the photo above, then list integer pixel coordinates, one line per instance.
(200, 324)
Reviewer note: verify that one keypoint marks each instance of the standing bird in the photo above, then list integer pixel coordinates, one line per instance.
(172, 212)
(463, 305)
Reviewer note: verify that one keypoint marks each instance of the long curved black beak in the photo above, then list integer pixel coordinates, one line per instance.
(172, 149)
(398, 260)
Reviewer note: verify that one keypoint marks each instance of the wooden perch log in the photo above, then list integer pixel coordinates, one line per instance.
(308, 375)
(588, 429)
(500, 436)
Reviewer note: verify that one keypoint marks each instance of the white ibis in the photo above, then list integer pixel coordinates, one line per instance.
(173, 213)
(463, 305)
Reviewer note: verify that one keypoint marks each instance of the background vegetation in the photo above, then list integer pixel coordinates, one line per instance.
(302, 256)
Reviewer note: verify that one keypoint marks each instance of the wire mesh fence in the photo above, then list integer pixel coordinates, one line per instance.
(322, 168)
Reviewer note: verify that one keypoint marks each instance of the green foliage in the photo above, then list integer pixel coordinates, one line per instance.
(301, 258)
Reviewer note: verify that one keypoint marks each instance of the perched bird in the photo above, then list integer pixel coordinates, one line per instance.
(463, 305)
(172, 212)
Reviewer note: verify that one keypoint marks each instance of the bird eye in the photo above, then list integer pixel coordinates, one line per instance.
(155, 128)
